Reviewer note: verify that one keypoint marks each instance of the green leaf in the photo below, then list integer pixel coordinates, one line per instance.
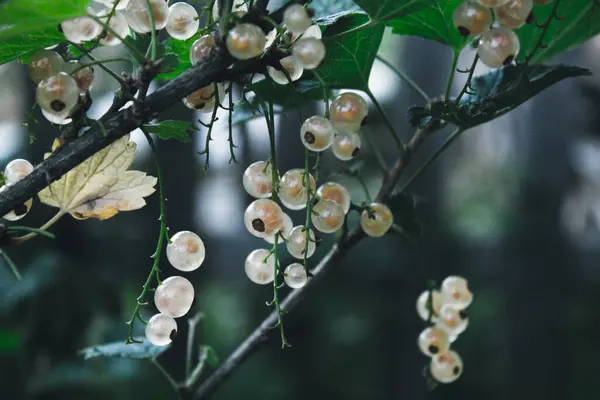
(122, 350)
(385, 10)
(406, 220)
(180, 48)
(495, 94)
(434, 22)
(178, 130)
(580, 24)
(23, 47)
(24, 17)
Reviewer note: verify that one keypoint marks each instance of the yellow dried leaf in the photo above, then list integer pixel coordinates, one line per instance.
(101, 186)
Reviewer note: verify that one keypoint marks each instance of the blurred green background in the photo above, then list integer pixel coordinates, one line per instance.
(514, 206)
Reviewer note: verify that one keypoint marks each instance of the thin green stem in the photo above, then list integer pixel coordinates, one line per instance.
(414, 86)
(11, 264)
(269, 115)
(166, 374)
(34, 232)
(153, 41)
(284, 342)
(192, 323)
(131, 49)
(38, 231)
(450, 79)
(231, 144)
(469, 78)
(310, 195)
(455, 135)
(325, 93)
(388, 123)
(104, 67)
(208, 139)
(98, 62)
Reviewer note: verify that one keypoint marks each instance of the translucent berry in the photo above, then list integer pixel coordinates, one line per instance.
(309, 51)
(518, 10)
(471, 18)
(498, 47)
(138, 17)
(17, 170)
(293, 192)
(239, 8)
(44, 64)
(317, 133)
(313, 31)
(201, 48)
(110, 4)
(57, 94)
(492, 3)
(456, 292)
(81, 29)
(297, 242)
(542, 2)
(203, 100)
(161, 330)
(434, 340)
(260, 266)
(118, 25)
(423, 308)
(174, 296)
(296, 19)
(506, 21)
(376, 221)
(258, 180)
(84, 77)
(335, 192)
(246, 41)
(288, 225)
(263, 218)
(182, 22)
(295, 276)
(59, 119)
(348, 111)
(186, 252)
(346, 146)
(453, 321)
(328, 216)
(446, 368)
(291, 65)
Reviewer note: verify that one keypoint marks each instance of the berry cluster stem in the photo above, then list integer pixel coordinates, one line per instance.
(153, 40)
(310, 195)
(284, 342)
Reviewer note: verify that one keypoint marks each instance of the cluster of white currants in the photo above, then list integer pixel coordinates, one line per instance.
(175, 295)
(15, 171)
(498, 46)
(446, 309)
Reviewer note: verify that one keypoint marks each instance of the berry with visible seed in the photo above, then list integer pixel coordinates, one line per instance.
(20, 211)
(456, 292)
(453, 321)
(328, 216)
(138, 18)
(202, 48)
(296, 19)
(284, 233)
(260, 266)
(118, 25)
(263, 218)
(347, 112)
(377, 221)
(498, 47)
(446, 368)
(16, 170)
(246, 41)
(296, 242)
(161, 330)
(81, 29)
(293, 68)
(44, 64)
(182, 22)
(335, 192)
(186, 252)
(433, 340)
(471, 18)
(174, 296)
(293, 191)
(317, 133)
(295, 276)
(203, 100)
(346, 146)
(57, 94)
(258, 180)
(423, 308)
(59, 119)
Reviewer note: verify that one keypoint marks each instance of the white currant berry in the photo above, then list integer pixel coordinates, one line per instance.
(239, 8)
(472, 18)
(296, 242)
(118, 25)
(377, 221)
(138, 17)
(296, 18)
(20, 211)
(186, 252)
(328, 216)
(313, 31)
(492, 3)
(317, 133)
(498, 47)
(347, 112)
(284, 233)
(260, 266)
(258, 180)
(183, 21)
(201, 48)
(433, 340)
(453, 321)
(84, 77)
(246, 41)
(111, 3)
(515, 10)
(335, 192)
(203, 100)
(446, 368)
(542, 2)
(59, 119)
(161, 330)
(293, 192)
(44, 64)
(263, 218)
(506, 21)
(456, 292)
(57, 94)
(291, 65)
(310, 52)
(423, 307)
(174, 296)
(346, 146)
(16, 170)
(295, 276)
(81, 29)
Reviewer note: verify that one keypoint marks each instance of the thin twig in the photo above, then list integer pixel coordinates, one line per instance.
(414, 86)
